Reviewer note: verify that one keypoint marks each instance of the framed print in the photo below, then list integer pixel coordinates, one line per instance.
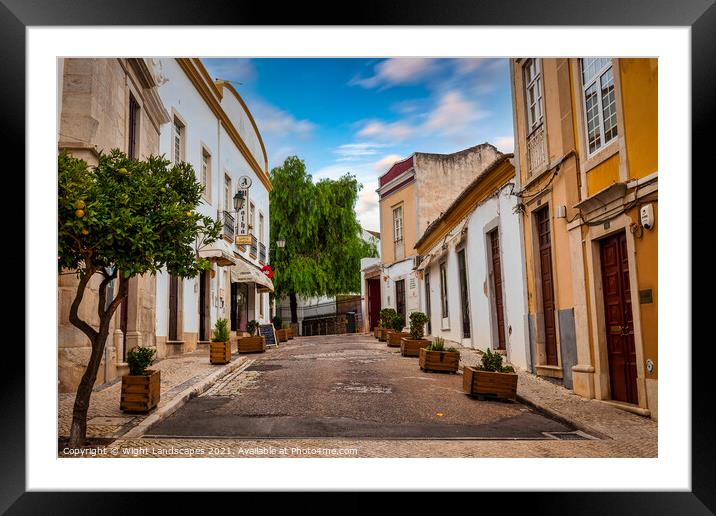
(445, 219)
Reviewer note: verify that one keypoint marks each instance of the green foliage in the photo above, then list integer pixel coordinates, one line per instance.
(138, 216)
(417, 325)
(452, 349)
(438, 344)
(221, 331)
(252, 326)
(139, 358)
(277, 322)
(386, 317)
(398, 322)
(323, 237)
(493, 362)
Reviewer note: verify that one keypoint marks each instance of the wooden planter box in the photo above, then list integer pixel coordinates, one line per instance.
(282, 335)
(220, 352)
(255, 344)
(489, 384)
(289, 332)
(395, 337)
(376, 332)
(411, 347)
(385, 334)
(140, 393)
(446, 361)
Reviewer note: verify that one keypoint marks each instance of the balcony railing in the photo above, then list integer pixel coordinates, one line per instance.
(262, 253)
(252, 250)
(536, 150)
(229, 224)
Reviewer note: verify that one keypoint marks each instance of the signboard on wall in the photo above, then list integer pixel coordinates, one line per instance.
(243, 214)
(243, 239)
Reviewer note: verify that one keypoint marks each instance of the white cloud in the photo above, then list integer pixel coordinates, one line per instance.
(400, 70)
(505, 143)
(277, 122)
(367, 209)
(354, 150)
(453, 114)
(383, 130)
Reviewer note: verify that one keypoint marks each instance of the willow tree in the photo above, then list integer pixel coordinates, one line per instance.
(323, 243)
(117, 220)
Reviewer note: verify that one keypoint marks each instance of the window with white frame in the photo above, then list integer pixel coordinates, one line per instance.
(600, 109)
(205, 171)
(533, 93)
(177, 140)
(443, 290)
(261, 228)
(227, 193)
(398, 232)
(252, 217)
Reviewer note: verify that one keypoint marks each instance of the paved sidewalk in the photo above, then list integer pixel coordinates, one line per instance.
(182, 377)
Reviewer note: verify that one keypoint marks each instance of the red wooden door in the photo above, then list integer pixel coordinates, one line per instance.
(173, 306)
(497, 287)
(545, 256)
(618, 319)
(374, 302)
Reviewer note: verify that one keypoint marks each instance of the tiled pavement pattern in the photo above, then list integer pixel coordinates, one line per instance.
(104, 419)
(623, 434)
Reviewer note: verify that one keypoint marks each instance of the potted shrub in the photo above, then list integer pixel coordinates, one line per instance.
(396, 325)
(281, 332)
(140, 388)
(254, 343)
(220, 346)
(490, 378)
(386, 317)
(410, 345)
(434, 357)
(289, 331)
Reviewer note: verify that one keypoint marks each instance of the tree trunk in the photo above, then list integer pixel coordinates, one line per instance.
(294, 307)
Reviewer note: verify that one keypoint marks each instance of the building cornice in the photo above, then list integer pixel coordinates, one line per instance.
(210, 93)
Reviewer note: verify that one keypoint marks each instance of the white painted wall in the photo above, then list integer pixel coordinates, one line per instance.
(203, 129)
(397, 271)
(495, 212)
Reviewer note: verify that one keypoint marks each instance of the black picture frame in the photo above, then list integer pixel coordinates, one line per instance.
(699, 15)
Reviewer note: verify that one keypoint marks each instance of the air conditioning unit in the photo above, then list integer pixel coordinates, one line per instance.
(416, 261)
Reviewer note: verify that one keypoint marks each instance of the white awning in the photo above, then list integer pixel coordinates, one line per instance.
(219, 256)
(244, 272)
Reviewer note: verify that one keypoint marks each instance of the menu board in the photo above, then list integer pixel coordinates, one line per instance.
(266, 330)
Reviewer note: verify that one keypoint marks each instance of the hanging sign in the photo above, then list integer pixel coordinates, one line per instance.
(266, 269)
(244, 182)
(242, 215)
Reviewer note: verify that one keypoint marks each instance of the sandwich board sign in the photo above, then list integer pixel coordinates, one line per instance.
(267, 331)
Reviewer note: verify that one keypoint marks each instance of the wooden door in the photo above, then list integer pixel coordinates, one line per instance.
(464, 298)
(203, 306)
(545, 255)
(374, 302)
(400, 297)
(173, 306)
(123, 324)
(427, 299)
(618, 319)
(498, 303)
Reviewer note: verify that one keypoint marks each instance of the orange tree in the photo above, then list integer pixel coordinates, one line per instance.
(120, 219)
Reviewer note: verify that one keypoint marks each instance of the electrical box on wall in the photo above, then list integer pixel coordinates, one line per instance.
(646, 215)
(561, 211)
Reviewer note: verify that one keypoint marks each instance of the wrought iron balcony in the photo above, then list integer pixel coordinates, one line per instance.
(229, 224)
(252, 250)
(536, 150)
(262, 253)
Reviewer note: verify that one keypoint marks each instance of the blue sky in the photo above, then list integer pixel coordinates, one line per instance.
(361, 115)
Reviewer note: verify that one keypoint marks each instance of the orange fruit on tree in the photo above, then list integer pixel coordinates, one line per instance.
(80, 213)
(79, 205)
(85, 232)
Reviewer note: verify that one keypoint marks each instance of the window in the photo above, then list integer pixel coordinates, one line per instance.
(533, 93)
(177, 140)
(463, 294)
(398, 232)
(261, 228)
(205, 172)
(133, 134)
(427, 298)
(400, 297)
(443, 290)
(600, 112)
(252, 217)
(261, 305)
(227, 193)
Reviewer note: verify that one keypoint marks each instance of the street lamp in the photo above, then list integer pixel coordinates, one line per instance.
(239, 200)
(281, 243)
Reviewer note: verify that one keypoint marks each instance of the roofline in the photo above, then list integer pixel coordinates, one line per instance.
(395, 163)
(504, 158)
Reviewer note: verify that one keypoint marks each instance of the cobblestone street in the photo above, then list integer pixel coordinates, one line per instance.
(352, 396)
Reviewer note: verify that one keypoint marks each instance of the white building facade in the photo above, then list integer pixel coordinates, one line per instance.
(212, 129)
(471, 269)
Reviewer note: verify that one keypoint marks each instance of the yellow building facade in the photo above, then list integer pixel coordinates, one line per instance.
(586, 137)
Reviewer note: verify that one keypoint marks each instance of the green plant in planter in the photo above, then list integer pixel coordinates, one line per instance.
(492, 362)
(277, 322)
(417, 325)
(436, 345)
(252, 327)
(386, 317)
(398, 322)
(221, 331)
(139, 358)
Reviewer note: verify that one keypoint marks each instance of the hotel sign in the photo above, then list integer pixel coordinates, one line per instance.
(243, 240)
(243, 215)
